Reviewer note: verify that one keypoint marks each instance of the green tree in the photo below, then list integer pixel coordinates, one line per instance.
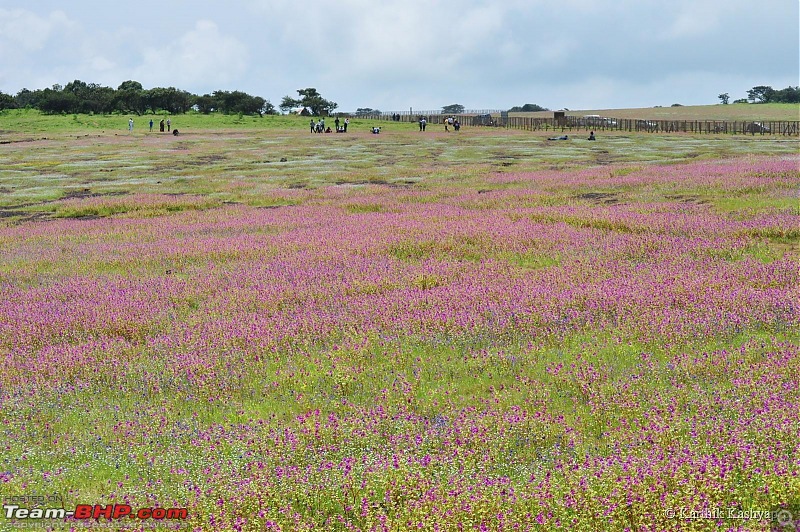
(453, 109)
(762, 93)
(27, 98)
(130, 97)
(7, 101)
(268, 108)
(90, 97)
(724, 98)
(288, 103)
(528, 108)
(205, 103)
(311, 99)
(58, 101)
(788, 95)
(367, 111)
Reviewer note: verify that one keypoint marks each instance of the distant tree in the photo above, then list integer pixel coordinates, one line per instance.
(58, 101)
(130, 85)
(527, 108)
(367, 111)
(101, 99)
(676, 105)
(130, 97)
(788, 95)
(268, 108)
(309, 99)
(7, 101)
(205, 103)
(168, 99)
(453, 109)
(90, 97)
(724, 98)
(741, 100)
(762, 93)
(314, 102)
(288, 103)
(255, 104)
(238, 102)
(27, 98)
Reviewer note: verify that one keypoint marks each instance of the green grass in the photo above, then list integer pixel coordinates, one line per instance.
(254, 161)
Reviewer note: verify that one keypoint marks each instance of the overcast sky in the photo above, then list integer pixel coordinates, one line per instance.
(396, 54)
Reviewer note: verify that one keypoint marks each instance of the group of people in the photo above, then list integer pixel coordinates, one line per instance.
(452, 122)
(341, 126)
(565, 137)
(319, 126)
(161, 125)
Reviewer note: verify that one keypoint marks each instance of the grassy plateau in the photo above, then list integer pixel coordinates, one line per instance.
(473, 330)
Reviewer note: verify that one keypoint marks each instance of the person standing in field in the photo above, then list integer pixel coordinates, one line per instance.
(130, 125)
(346, 121)
(151, 125)
(161, 125)
(312, 125)
(169, 124)
(336, 123)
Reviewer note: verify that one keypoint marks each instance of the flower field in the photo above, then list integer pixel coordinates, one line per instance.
(598, 347)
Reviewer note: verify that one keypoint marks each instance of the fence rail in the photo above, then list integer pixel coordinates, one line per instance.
(587, 123)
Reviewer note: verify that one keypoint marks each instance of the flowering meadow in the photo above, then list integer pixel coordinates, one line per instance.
(601, 347)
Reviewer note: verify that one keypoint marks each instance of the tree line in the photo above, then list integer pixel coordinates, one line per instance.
(130, 97)
(766, 94)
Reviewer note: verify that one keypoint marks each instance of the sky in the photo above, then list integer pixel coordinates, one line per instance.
(396, 55)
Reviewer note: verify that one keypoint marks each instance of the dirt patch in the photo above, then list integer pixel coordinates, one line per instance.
(602, 198)
(21, 140)
(204, 160)
(20, 217)
(85, 193)
(685, 198)
(603, 158)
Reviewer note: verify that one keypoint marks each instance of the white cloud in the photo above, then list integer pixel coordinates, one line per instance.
(694, 20)
(202, 57)
(22, 30)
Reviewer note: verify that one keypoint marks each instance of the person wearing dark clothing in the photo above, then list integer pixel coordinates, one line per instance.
(591, 135)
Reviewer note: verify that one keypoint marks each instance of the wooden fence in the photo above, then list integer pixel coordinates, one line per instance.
(588, 123)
